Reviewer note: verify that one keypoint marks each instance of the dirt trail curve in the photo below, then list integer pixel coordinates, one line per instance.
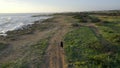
(55, 56)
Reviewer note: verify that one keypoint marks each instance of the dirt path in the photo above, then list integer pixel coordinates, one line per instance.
(55, 55)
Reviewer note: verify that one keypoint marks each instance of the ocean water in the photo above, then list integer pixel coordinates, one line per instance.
(10, 22)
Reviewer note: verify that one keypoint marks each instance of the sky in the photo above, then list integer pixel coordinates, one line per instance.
(37, 6)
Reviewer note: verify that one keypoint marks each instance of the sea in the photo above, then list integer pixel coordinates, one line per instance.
(14, 21)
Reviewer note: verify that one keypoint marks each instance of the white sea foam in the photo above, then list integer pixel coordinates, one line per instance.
(13, 22)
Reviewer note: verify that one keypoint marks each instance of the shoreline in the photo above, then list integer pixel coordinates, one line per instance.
(25, 30)
(19, 21)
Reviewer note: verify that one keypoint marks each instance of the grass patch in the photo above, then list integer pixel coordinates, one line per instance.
(109, 18)
(84, 50)
(110, 35)
(110, 29)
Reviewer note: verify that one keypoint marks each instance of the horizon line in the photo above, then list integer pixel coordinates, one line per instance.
(63, 11)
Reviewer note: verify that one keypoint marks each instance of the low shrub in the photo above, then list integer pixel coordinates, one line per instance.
(3, 46)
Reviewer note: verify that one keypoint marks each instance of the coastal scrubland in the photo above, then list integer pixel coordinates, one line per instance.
(95, 43)
(90, 40)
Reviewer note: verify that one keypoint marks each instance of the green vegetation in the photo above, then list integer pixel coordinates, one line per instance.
(82, 17)
(110, 35)
(95, 46)
(84, 50)
(110, 28)
(85, 17)
(3, 46)
(80, 45)
(32, 56)
(75, 24)
(94, 19)
(109, 18)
